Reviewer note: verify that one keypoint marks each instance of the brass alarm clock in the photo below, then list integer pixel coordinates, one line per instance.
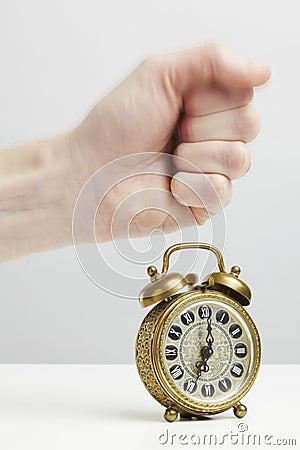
(198, 350)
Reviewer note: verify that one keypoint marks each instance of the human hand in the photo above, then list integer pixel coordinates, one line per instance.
(193, 103)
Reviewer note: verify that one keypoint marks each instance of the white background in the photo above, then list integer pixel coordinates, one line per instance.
(57, 58)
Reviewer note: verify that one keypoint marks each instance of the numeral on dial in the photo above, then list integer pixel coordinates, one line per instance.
(175, 332)
(237, 370)
(176, 372)
(171, 352)
(190, 385)
(222, 317)
(224, 384)
(187, 318)
(240, 350)
(208, 390)
(204, 312)
(235, 331)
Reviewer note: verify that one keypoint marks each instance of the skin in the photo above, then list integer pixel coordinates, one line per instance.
(193, 103)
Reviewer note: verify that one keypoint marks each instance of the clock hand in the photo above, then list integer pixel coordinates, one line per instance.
(209, 338)
(206, 351)
(202, 366)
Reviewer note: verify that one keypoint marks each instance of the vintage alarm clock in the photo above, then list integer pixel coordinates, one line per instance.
(198, 350)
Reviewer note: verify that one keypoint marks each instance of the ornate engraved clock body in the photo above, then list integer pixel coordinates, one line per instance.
(198, 351)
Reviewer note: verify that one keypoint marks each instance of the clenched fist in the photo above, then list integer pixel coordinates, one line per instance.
(193, 104)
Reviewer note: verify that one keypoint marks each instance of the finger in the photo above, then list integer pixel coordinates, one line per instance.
(214, 63)
(231, 159)
(201, 100)
(240, 124)
(201, 215)
(211, 192)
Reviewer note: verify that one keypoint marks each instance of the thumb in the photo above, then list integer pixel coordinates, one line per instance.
(215, 63)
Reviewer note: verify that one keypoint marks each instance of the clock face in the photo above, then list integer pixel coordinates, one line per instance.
(208, 350)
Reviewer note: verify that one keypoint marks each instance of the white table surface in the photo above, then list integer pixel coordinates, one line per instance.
(107, 407)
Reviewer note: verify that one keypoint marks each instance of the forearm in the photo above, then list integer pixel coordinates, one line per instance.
(35, 206)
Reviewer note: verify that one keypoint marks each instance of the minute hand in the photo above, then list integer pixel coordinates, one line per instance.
(209, 337)
(206, 351)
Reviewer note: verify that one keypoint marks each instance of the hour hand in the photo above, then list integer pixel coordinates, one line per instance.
(201, 366)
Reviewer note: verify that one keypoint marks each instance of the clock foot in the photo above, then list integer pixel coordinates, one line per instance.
(171, 414)
(240, 410)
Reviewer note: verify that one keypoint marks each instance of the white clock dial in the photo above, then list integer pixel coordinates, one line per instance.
(230, 365)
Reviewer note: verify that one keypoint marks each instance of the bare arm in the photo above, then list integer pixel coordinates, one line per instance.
(203, 91)
(35, 209)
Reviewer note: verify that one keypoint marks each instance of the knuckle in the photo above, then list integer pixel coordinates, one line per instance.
(183, 160)
(152, 62)
(179, 190)
(246, 123)
(217, 49)
(217, 54)
(222, 187)
(246, 95)
(219, 184)
(201, 215)
(236, 158)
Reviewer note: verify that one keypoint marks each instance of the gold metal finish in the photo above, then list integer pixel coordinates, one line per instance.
(171, 414)
(235, 270)
(152, 270)
(240, 410)
(150, 354)
(231, 285)
(219, 286)
(164, 286)
(188, 245)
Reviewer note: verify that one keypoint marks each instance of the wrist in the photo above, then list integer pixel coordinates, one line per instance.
(85, 159)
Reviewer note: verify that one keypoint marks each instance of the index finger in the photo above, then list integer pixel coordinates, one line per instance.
(214, 63)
